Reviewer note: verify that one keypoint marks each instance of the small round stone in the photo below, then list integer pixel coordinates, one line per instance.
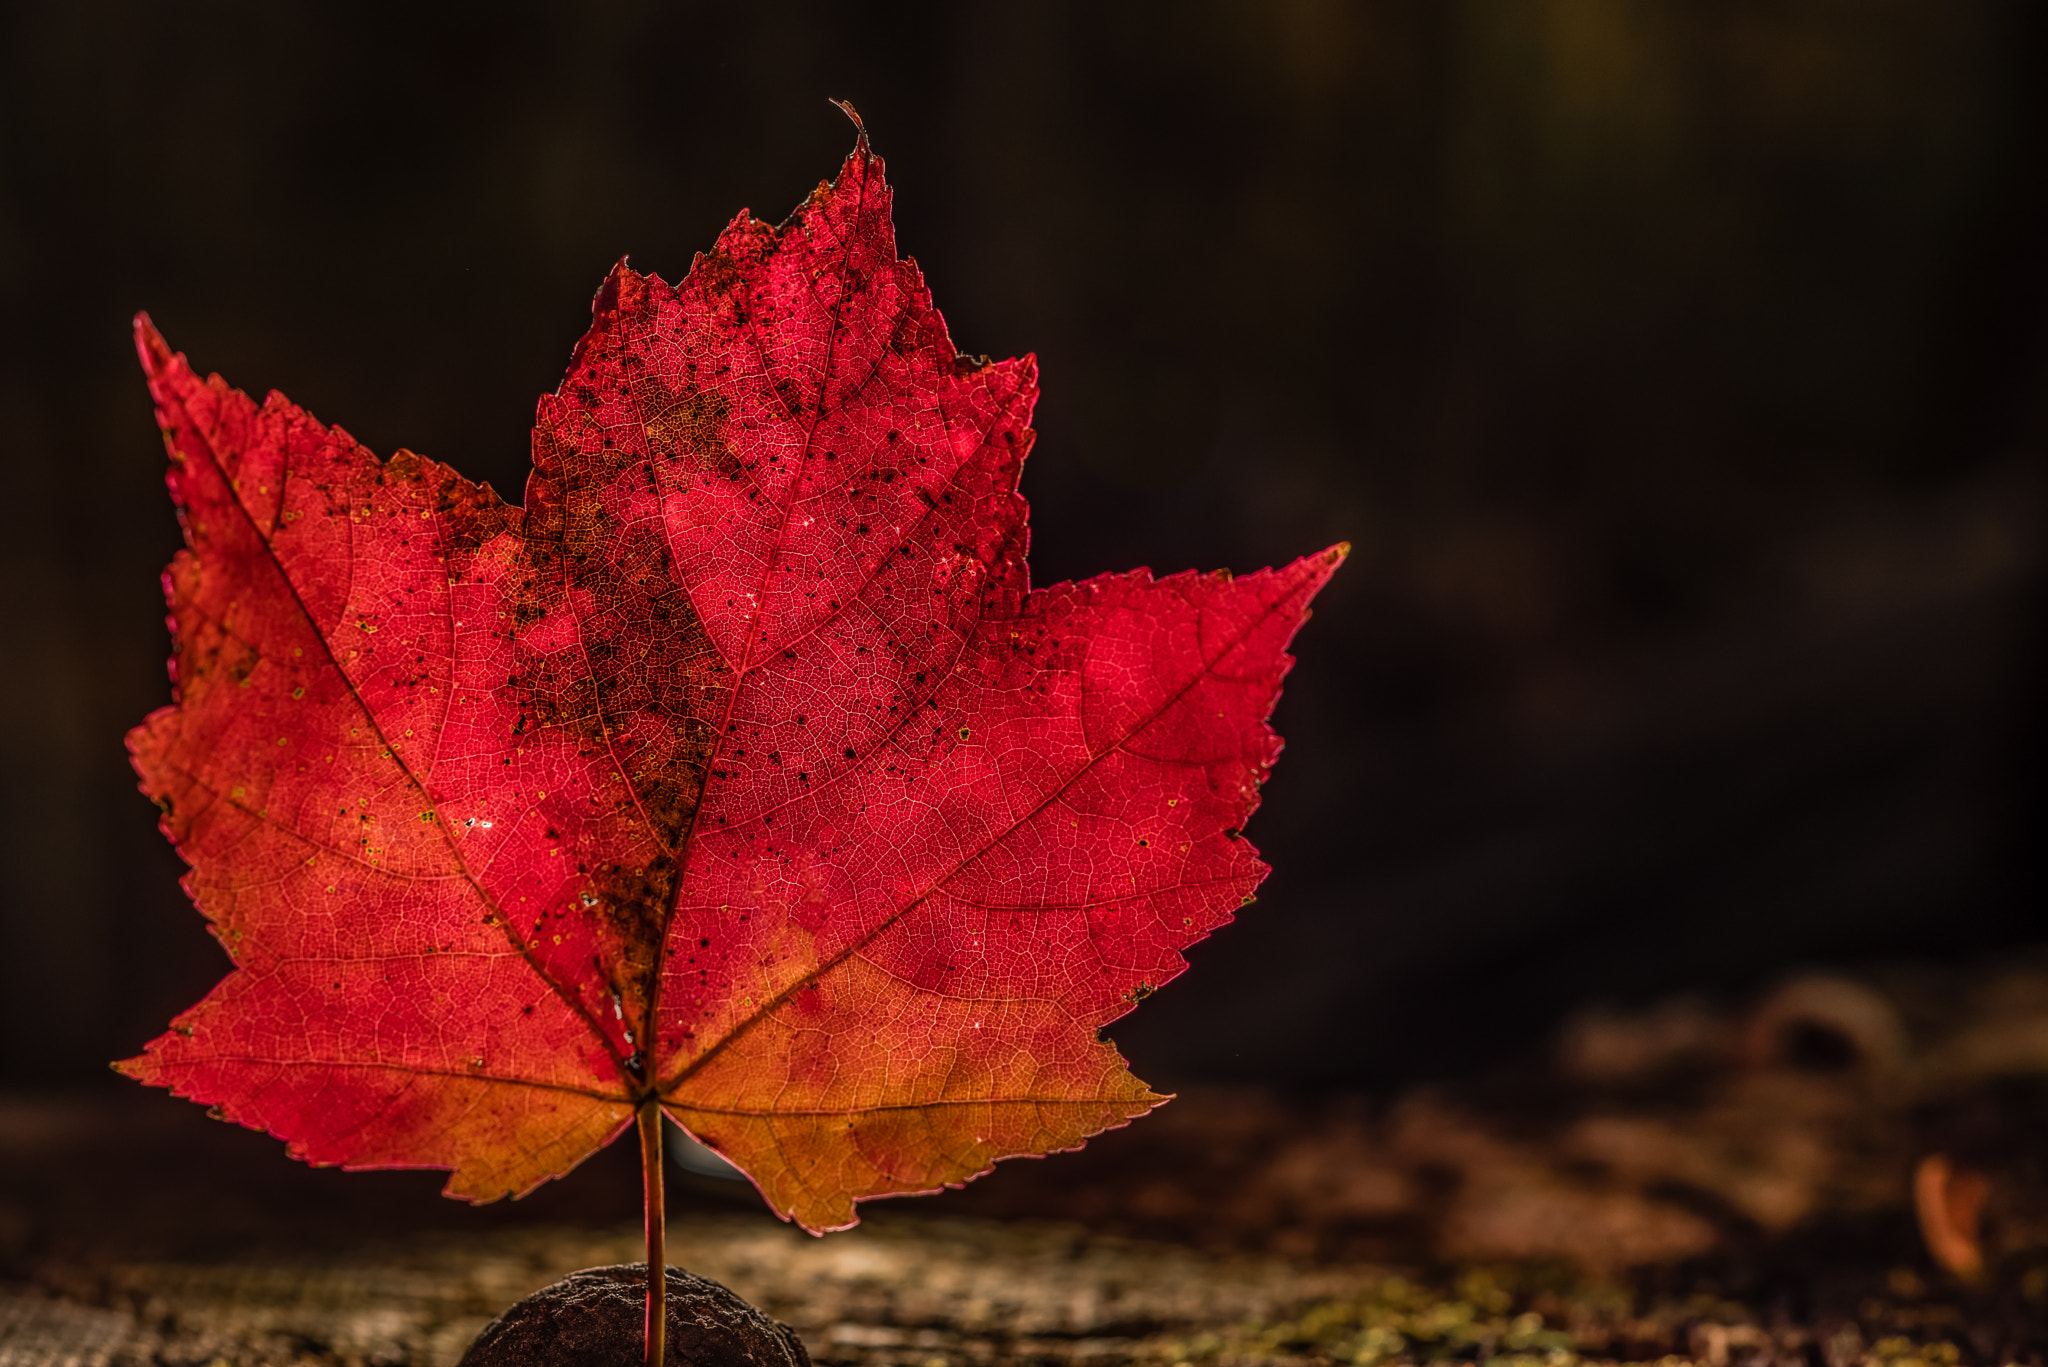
(597, 1318)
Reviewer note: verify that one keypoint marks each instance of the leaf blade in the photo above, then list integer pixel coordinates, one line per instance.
(285, 840)
(743, 762)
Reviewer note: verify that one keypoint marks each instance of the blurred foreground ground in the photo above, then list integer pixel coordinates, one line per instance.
(1697, 1183)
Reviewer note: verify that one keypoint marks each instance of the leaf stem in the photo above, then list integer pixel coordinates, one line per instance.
(657, 1233)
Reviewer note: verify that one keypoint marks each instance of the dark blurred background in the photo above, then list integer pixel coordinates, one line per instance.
(1677, 370)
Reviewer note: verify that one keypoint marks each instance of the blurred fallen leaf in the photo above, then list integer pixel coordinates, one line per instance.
(1950, 1203)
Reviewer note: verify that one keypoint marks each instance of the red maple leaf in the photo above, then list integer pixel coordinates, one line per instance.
(741, 772)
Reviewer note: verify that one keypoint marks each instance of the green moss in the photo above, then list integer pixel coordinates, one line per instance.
(1515, 1317)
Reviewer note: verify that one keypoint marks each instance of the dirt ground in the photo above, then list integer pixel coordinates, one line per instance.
(1688, 1183)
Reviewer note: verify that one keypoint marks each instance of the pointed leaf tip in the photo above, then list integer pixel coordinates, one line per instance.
(860, 128)
(150, 347)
